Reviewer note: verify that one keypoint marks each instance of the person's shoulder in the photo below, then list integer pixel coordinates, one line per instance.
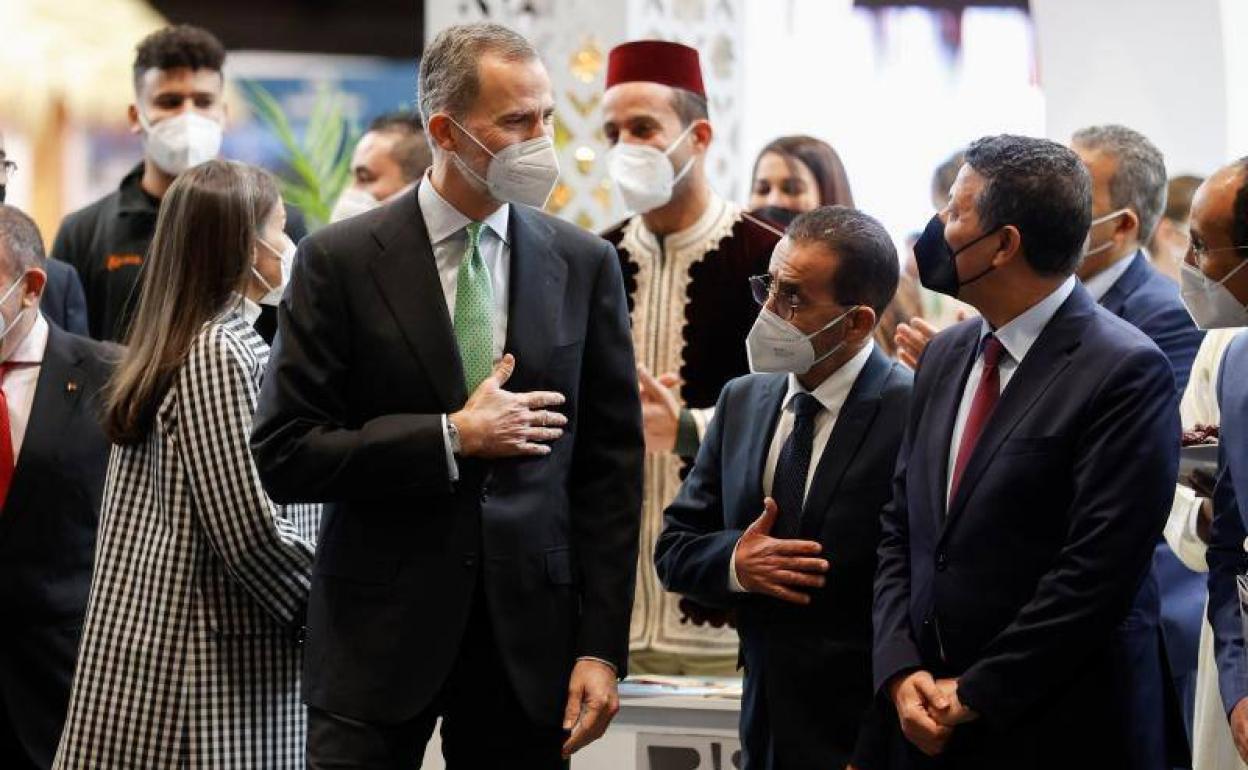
(98, 353)
(569, 236)
(89, 217)
(224, 343)
(614, 233)
(757, 233)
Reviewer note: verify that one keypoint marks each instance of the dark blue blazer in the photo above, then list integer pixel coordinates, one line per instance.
(47, 544)
(1226, 555)
(1019, 586)
(1171, 602)
(808, 694)
(64, 302)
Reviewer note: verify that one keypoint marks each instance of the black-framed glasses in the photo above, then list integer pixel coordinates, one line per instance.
(767, 294)
(1201, 250)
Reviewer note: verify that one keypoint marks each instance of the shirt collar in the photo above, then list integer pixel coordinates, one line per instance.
(1020, 334)
(31, 349)
(443, 220)
(133, 198)
(247, 308)
(1100, 284)
(833, 391)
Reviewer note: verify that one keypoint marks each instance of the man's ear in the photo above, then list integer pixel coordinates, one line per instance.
(1009, 246)
(864, 321)
(702, 135)
(442, 131)
(132, 113)
(36, 280)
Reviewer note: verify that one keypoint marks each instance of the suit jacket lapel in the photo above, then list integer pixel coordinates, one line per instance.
(944, 411)
(1114, 299)
(537, 279)
(852, 425)
(407, 277)
(768, 402)
(1046, 360)
(58, 391)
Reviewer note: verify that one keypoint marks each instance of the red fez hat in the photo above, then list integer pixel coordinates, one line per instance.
(656, 61)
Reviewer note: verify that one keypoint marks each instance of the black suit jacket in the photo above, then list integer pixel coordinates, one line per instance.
(64, 302)
(808, 669)
(1018, 587)
(47, 539)
(364, 366)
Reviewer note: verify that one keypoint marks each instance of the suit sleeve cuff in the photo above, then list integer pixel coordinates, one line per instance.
(734, 583)
(452, 468)
(688, 437)
(613, 667)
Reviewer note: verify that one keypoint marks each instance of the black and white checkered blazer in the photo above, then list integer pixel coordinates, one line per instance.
(190, 655)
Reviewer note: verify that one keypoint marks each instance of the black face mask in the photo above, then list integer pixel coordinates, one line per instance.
(937, 261)
(776, 215)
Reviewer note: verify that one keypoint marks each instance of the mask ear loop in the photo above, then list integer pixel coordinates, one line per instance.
(668, 152)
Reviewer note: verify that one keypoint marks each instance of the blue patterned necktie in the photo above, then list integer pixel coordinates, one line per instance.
(474, 312)
(788, 487)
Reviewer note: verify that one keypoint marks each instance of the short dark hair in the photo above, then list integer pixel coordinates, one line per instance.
(411, 148)
(21, 245)
(689, 107)
(1043, 189)
(945, 174)
(1239, 210)
(176, 47)
(867, 270)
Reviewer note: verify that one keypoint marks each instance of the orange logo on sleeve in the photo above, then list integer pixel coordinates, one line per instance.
(118, 261)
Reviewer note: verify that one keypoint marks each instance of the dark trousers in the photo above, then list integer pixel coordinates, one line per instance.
(483, 723)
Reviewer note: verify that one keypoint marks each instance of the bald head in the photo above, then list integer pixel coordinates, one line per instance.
(1219, 218)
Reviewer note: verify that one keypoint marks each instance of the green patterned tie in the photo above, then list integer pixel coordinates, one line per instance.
(474, 312)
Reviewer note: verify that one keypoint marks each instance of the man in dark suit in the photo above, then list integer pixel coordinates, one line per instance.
(1215, 289)
(53, 456)
(809, 440)
(1031, 487)
(477, 551)
(1128, 197)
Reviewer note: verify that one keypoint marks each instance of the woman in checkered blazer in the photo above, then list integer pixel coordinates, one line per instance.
(190, 654)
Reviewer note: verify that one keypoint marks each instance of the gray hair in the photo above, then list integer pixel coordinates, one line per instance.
(1139, 181)
(448, 68)
(21, 245)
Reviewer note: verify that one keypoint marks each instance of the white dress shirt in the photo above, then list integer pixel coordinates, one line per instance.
(1017, 337)
(19, 385)
(831, 394)
(1100, 284)
(449, 238)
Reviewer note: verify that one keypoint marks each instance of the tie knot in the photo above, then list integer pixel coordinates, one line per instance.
(474, 233)
(993, 350)
(805, 405)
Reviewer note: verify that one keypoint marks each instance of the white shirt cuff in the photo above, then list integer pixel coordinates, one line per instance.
(452, 468)
(1180, 532)
(734, 584)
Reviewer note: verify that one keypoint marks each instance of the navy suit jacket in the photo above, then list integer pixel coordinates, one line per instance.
(808, 694)
(1226, 555)
(364, 365)
(1150, 302)
(1018, 585)
(47, 541)
(64, 302)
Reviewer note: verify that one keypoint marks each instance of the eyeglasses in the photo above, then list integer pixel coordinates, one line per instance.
(784, 304)
(1200, 250)
(7, 169)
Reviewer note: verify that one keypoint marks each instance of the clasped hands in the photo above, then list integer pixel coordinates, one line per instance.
(929, 709)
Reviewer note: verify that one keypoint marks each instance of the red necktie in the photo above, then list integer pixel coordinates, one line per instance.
(986, 396)
(6, 438)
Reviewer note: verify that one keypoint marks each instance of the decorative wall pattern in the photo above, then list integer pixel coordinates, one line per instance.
(574, 37)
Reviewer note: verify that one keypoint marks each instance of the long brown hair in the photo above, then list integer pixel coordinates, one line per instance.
(823, 162)
(200, 256)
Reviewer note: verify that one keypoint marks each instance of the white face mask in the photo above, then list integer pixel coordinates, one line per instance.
(287, 256)
(178, 143)
(355, 201)
(1087, 242)
(8, 326)
(524, 172)
(644, 174)
(775, 345)
(1210, 304)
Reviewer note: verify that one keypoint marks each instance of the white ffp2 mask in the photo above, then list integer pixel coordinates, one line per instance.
(644, 174)
(524, 172)
(183, 141)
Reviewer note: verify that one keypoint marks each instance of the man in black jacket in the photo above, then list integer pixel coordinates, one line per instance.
(53, 456)
(453, 377)
(809, 441)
